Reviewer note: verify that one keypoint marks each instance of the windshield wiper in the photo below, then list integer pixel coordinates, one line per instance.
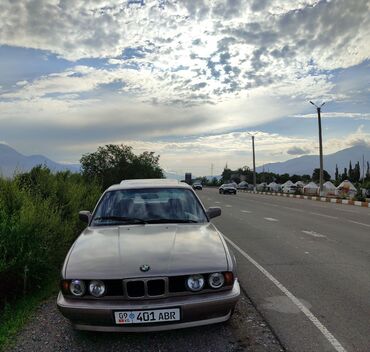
(122, 218)
(172, 221)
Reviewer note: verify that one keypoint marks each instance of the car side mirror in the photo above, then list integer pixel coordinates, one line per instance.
(213, 212)
(84, 215)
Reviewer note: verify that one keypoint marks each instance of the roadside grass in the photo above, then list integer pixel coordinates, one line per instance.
(17, 314)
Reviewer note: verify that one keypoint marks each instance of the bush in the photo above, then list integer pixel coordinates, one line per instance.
(38, 223)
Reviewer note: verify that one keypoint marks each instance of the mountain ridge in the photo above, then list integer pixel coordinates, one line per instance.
(305, 164)
(11, 162)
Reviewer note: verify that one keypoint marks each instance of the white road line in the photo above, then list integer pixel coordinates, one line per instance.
(313, 233)
(359, 223)
(271, 219)
(228, 206)
(334, 342)
(245, 211)
(295, 209)
(218, 202)
(325, 216)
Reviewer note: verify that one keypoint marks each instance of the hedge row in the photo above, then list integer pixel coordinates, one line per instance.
(38, 223)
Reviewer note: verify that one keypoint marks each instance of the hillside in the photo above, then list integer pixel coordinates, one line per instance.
(307, 163)
(12, 161)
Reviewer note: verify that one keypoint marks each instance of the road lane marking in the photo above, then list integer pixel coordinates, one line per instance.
(313, 233)
(228, 206)
(333, 341)
(245, 211)
(359, 223)
(218, 202)
(325, 216)
(271, 219)
(295, 209)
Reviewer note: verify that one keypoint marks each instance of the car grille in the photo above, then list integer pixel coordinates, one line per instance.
(149, 288)
(140, 288)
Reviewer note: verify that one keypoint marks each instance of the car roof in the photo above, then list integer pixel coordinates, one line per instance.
(149, 183)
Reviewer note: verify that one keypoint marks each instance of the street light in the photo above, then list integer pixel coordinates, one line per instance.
(254, 164)
(318, 108)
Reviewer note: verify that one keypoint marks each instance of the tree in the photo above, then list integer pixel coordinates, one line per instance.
(296, 178)
(113, 163)
(316, 175)
(350, 171)
(226, 174)
(282, 178)
(368, 171)
(356, 173)
(336, 173)
(344, 175)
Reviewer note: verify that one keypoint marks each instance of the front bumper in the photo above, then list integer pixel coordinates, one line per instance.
(196, 310)
(229, 190)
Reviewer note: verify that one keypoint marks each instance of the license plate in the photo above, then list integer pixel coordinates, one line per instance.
(147, 316)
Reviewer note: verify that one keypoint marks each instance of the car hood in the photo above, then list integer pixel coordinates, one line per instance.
(172, 249)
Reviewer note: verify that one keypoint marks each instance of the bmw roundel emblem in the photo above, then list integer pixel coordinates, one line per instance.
(145, 268)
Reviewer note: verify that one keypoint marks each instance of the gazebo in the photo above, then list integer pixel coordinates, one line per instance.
(347, 189)
(329, 189)
(311, 189)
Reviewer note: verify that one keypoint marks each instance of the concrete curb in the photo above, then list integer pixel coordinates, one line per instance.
(317, 198)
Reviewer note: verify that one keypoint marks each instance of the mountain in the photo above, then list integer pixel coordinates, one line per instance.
(12, 162)
(307, 163)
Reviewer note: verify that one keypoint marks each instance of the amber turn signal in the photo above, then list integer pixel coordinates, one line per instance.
(229, 278)
(64, 286)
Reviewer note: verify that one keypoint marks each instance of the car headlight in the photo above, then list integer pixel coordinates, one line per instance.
(195, 282)
(216, 280)
(97, 288)
(77, 288)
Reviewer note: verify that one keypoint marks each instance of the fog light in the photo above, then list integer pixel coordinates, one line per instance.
(97, 288)
(195, 282)
(216, 280)
(77, 288)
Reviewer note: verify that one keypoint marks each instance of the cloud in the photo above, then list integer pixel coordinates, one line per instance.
(238, 46)
(298, 151)
(336, 115)
(192, 69)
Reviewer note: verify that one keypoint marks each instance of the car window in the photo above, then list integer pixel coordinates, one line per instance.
(150, 205)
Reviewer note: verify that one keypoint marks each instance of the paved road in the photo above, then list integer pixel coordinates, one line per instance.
(317, 252)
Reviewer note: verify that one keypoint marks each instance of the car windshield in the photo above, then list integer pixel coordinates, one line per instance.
(145, 206)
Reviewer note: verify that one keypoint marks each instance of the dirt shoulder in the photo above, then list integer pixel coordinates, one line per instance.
(48, 330)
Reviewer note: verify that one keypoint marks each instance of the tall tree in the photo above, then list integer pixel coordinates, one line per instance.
(336, 173)
(356, 173)
(226, 174)
(350, 171)
(344, 175)
(316, 175)
(113, 163)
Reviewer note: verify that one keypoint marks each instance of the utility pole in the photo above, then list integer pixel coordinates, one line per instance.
(318, 108)
(254, 164)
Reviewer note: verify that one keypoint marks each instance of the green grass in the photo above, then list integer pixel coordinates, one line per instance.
(17, 314)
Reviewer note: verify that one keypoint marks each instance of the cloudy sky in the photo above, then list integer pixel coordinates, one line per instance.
(186, 79)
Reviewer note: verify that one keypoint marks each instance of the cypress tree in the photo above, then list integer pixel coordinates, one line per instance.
(336, 172)
(350, 171)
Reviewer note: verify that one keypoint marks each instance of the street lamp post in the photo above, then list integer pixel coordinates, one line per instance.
(318, 108)
(254, 164)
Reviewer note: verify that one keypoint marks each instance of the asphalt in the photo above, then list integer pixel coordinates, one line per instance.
(319, 252)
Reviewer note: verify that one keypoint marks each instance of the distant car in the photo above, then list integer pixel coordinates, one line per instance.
(227, 188)
(149, 260)
(243, 185)
(198, 186)
(290, 189)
